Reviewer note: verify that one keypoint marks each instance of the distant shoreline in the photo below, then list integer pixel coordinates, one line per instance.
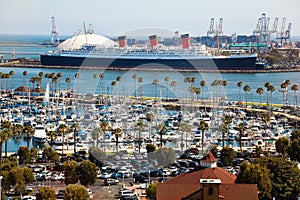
(25, 65)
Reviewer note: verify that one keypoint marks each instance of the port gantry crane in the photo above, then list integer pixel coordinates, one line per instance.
(284, 35)
(54, 32)
(215, 28)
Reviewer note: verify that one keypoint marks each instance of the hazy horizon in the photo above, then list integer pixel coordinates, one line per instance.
(114, 17)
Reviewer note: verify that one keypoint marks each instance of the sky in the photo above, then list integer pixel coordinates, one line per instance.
(114, 17)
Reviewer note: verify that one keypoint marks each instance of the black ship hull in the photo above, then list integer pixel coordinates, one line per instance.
(214, 63)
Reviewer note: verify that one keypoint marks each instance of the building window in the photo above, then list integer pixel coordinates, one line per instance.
(210, 191)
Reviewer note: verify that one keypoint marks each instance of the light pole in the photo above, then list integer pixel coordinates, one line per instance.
(1, 177)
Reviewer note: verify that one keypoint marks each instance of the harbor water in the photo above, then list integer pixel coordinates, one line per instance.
(88, 84)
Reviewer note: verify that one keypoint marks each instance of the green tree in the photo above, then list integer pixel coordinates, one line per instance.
(295, 88)
(46, 193)
(50, 154)
(27, 175)
(256, 174)
(155, 83)
(76, 192)
(284, 175)
(150, 148)
(97, 156)
(7, 129)
(34, 153)
(260, 91)
(202, 84)
(151, 191)
(118, 133)
(203, 126)
(87, 173)
(294, 149)
(28, 131)
(214, 151)
(24, 155)
(15, 178)
(63, 129)
(140, 127)
(282, 145)
(70, 168)
(227, 156)
(239, 84)
(241, 129)
(247, 90)
(165, 156)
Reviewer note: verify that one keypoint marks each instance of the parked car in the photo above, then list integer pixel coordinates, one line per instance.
(111, 181)
(141, 179)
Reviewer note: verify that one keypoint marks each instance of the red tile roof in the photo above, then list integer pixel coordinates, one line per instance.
(209, 157)
(207, 173)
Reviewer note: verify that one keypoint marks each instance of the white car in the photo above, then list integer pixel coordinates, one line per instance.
(28, 197)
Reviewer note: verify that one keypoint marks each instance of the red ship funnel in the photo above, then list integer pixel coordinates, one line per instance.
(185, 41)
(153, 41)
(122, 41)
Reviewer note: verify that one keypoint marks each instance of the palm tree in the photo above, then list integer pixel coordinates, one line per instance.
(101, 76)
(162, 131)
(266, 118)
(118, 133)
(241, 128)
(260, 91)
(187, 129)
(141, 80)
(295, 88)
(17, 132)
(41, 74)
(267, 84)
(140, 126)
(287, 83)
(271, 88)
(96, 133)
(104, 126)
(114, 84)
(3, 137)
(59, 75)
(224, 84)
(239, 84)
(119, 79)
(167, 79)
(283, 87)
(227, 121)
(134, 76)
(75, 127)
(24, 75)
(224, 130)
(63, 129)
(149, 118)
(174, 84)
(155, 83)
(7, 129)
(32, 80)
(187, 80)
(247, 89)
(203, 127)
(68, 81)
(29, 131)
(52, 135)
(202, 84)
(77, 76)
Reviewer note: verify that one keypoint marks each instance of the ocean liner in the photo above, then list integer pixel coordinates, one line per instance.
(155, 56)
